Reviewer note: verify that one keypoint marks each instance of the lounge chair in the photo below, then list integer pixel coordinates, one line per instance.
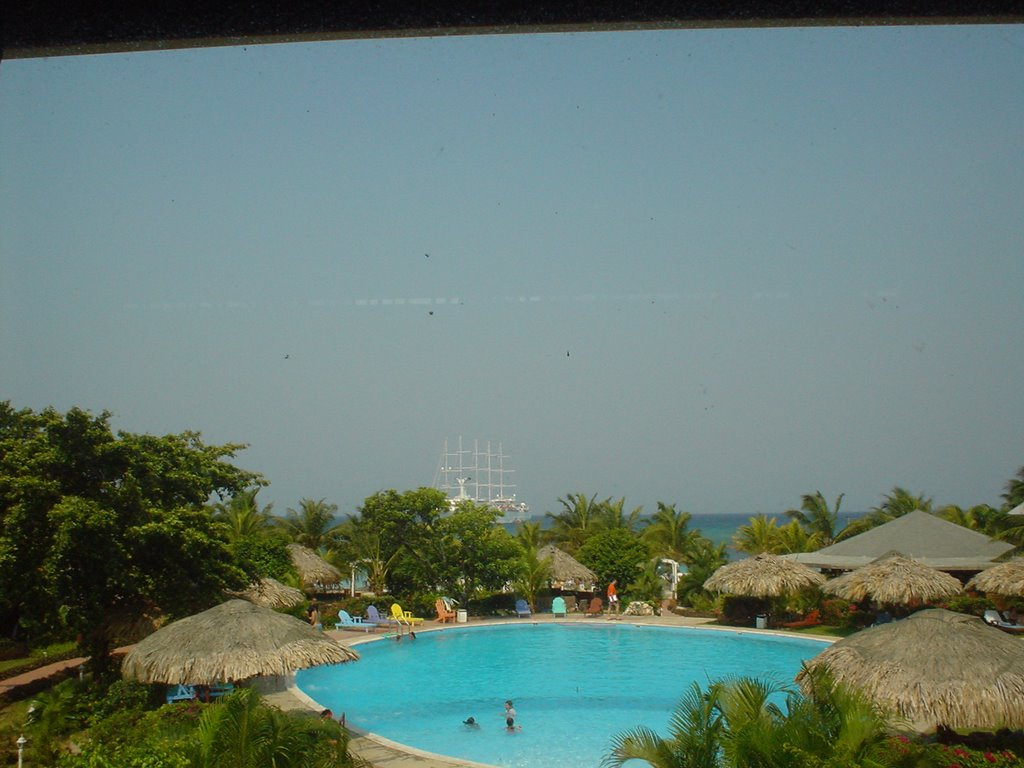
(181, 693)
(345, 621)
(220, 689)
(812, 619)
(570, 603)
(993, 619)
(374, 617)
(404, 617)
(595, 608)
(558, 607)
(523, 609)
(444, 613)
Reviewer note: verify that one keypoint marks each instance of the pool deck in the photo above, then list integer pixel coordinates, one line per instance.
(382, 753)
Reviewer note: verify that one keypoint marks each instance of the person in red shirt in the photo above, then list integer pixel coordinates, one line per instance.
(613, 596)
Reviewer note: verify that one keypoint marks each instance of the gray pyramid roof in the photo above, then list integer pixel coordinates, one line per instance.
(933, 541)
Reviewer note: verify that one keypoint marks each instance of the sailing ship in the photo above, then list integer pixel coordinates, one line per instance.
(479, 474)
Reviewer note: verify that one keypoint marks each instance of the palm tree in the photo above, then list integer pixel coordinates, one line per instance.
(667, 532)
(577, 520)
(761, 534)
(815, 517)
(243, 516)
(737, 724)
(359, 542)
(312, 525)
(529, 535)
(533, 578)
(702, 559)
(1014, 490)
(241, 732)
(695, 736)
(612, 515)
(793, 538)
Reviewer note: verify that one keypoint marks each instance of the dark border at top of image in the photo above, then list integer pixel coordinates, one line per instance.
(37, 28)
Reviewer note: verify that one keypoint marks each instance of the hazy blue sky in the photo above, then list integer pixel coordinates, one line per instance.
(719, 268)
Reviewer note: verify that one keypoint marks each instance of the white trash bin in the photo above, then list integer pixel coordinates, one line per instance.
(761, 622)
(461, 616)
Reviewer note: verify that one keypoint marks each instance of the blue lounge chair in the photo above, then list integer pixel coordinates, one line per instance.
(345, 621)
(180, 693)
(221, 689)
(523, 609)
(558, 607)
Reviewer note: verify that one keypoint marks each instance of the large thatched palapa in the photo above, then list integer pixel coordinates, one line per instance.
(763, 575)
(565, 569)
(233, 641)
(894, 579)
(935, 667)
(312, 568)
(1003, 579)
(271, 593)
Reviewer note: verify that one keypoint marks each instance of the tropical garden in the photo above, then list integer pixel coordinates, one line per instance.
(104, 534)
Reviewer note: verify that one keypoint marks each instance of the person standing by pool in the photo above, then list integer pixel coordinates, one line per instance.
(613, 596)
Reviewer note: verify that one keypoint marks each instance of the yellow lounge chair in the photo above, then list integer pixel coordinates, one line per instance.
(404, 617)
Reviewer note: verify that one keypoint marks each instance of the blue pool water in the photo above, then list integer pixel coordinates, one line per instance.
(574, 685)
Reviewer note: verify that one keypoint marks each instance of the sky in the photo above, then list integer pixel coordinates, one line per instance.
(715, 268)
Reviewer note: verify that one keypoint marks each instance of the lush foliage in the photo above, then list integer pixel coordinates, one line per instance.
(614, 553)
(96, 526)
(739, 723)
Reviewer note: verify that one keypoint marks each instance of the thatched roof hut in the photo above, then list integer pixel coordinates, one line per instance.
(271, 593)
(935, 667)
(233, 641)
(894, 579)
(1003, 579)
(566, 571)
(312, 568)
(763, 575)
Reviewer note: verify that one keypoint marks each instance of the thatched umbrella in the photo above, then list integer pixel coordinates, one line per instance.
(565, 568)
(764, 575)
(232, 641)
(894, 579)
(312, 568)
(935, 667)
(271, 593)
(1003, 579)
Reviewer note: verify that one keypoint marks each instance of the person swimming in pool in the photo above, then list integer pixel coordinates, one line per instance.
(510, 717)
(470, 722)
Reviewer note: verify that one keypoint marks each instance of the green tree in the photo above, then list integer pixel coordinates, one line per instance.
(579, 518)
(667, 532)
(615, 554)
(407, 524)
(243, 516)
(242, 732)
(312, 524)
(760, 534)
(529, 535)
(473, 552)
(702, 559)
(1014, 494)
(95, 526)
(738, 724)
(612, 514)
(817, 518)
(896, 503)
(533, 576)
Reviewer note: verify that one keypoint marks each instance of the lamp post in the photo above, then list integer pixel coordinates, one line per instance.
(21, 745)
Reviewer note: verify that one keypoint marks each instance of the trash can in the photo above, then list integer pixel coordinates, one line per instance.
(461, 616)
(761, 621)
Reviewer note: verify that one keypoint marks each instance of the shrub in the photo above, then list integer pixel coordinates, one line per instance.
(976, 606)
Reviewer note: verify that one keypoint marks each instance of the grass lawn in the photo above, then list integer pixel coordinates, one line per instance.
(53, 650)
(825, 631)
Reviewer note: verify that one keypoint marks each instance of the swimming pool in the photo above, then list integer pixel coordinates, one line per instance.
(574, 685)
